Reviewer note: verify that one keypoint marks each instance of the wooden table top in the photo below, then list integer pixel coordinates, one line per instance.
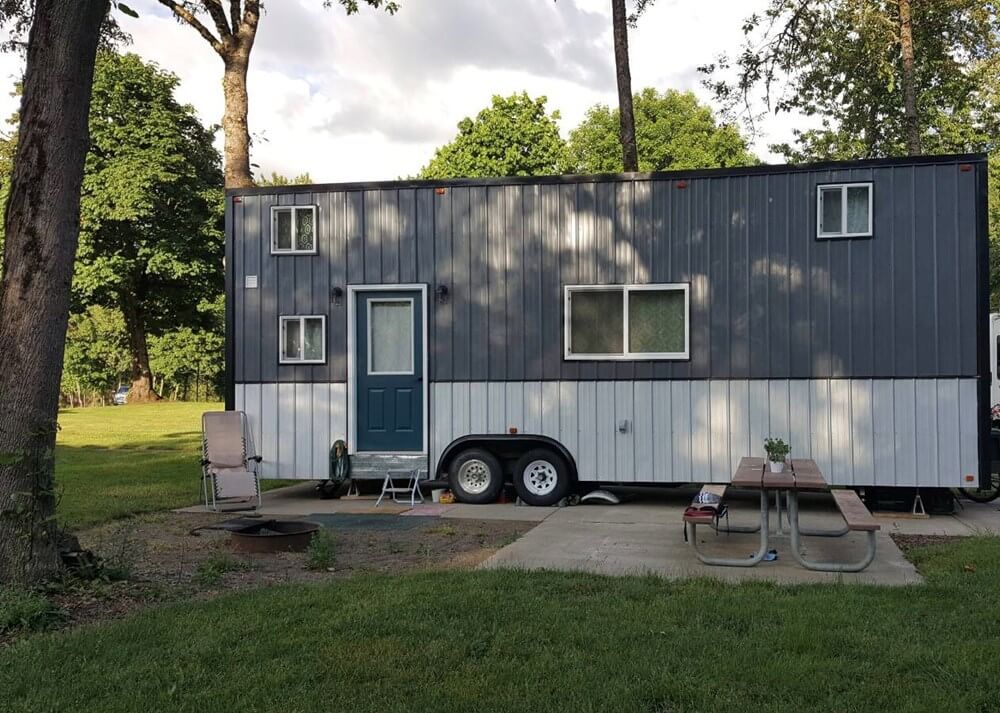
(801, 474)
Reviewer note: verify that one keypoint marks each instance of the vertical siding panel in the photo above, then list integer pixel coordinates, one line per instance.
(905, 403)
(514, 400)
(533, 407)
(927, 432)
(550, 408)
(354, 234)
(568, 416)
(587, 420)
(819, 421)
(240, 400)
(461, 288)
(320, 285)
(759, 416)
(662, 240)
(338, 412)
(496, 408)
(903, 278)
(701, 432)
(624, 410)
(372, 237)
(268, 443)
(739, 423)
(801, 230)
(252, 405)
(949, 464)
(407, 227)
(286, 431)
(884, 428)
(337, 259)
(460, 417)
(698, 274)
(250, 335)
(533, 356)
(497, 289)
(680, 260)
(581, 268)
(680, 409)
(302, 441)
(238, 253)
(968, 315)
(479, 339)
(322, 395)
(426, 202)
(718, 279)
(663, 437)
(820, 295)
(302, 282)
(442, 312)
(514, 281)
(442, 416)
(739, 277)
(779, 267)
(862, 431)
(759, 268)
(389, 215)
(478, 407)
(554, 241)
(606, 431)
(925, 238)
(286, 295)
(884, 273)
(778, 410)
(642, 256)
(267, 285)
(968, 405)
(645, 469)
(798, 419)
(720, 466)
(840, 420)
(946, 240)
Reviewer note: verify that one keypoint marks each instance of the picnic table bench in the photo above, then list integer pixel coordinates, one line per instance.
(800, 475)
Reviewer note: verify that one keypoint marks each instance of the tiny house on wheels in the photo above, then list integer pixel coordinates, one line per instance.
(633, 328)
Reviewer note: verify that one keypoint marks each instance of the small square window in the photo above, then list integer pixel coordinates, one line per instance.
(302, 340)
(844, 210)
(293, 229)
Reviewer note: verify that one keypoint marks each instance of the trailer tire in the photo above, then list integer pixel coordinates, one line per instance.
(475, 477)
(541, 477)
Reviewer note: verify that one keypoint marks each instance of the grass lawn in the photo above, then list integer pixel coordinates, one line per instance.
(513, 641)
(112, 462)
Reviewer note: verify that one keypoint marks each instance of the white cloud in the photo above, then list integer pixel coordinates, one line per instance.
(370, 96)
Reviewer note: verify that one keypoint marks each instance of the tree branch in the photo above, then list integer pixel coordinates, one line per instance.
(234, 15)
(187, 16)
(251, 15)
(214, 8)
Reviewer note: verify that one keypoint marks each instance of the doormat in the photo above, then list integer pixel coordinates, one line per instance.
(379, 523)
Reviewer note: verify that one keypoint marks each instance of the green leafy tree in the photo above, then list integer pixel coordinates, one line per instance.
(277, 179)
(673, 131)
(96, 359)
(151, 243)
(514, 136)
(189, 363)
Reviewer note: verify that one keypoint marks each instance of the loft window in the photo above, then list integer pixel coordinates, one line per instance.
(844, 210)
(303, 339)
(293, 230)
(627, 322)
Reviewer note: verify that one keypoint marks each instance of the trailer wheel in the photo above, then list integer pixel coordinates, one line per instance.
(541, 477)
(475, 477)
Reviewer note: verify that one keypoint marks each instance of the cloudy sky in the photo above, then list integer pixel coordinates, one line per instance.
(370, 96)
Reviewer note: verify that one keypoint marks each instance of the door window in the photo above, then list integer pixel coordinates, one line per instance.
(390, 336)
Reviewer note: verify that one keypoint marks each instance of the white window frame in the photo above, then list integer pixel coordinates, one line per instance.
(368, 322)
(626, 355)
(301, 319)
(843, 209)
(275, 250)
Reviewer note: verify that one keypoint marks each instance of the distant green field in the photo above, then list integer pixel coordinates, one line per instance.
(112, 462)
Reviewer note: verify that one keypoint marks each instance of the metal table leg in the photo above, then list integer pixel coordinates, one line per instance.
(793, 517)
(730, 562)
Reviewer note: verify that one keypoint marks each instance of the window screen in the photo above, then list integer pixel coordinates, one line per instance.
(832, 211)
(283, 221)
(844, 210)
(390, 330)
(857, 209)
(596, 322)
(303, 339)
(656, 321)
(293, 229)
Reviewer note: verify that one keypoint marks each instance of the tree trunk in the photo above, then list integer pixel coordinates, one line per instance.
(141, 390)
(42, 228)
(626, 118)
(911, 123)
(234, 120)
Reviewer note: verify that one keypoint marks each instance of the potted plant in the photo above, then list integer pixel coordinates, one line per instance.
(777, 450)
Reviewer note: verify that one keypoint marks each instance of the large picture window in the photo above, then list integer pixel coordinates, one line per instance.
(303, 339)
(844, 210)
(627, 322)
(293, 229)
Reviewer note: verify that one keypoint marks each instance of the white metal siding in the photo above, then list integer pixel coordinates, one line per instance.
(861, 431)
(294, 426)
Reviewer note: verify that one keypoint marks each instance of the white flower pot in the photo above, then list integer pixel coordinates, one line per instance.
(776, 466)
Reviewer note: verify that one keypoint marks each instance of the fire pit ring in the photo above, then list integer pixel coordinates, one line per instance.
(274, 536)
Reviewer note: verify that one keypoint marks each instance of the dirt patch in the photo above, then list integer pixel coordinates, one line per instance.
(166, 562)
(906, 543)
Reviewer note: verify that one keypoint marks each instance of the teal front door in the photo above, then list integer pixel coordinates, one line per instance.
(389, 359)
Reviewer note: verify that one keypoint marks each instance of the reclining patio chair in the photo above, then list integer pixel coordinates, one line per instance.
(230, 464)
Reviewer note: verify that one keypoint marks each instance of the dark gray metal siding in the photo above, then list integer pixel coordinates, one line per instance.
(768, 300)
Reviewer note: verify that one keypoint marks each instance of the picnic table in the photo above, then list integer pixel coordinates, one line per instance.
(799, 475)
